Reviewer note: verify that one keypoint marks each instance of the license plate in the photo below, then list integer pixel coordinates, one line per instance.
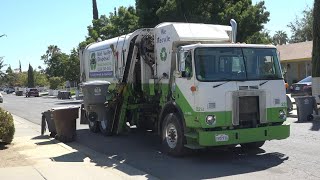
(297, 88)
(222, 137)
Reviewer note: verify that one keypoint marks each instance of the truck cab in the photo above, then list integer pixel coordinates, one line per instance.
(230, 94)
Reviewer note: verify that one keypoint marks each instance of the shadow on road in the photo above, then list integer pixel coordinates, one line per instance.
(142, 151)
(68, 102)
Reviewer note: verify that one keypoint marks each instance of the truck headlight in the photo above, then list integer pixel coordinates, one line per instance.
(282, 115)
(211, 120)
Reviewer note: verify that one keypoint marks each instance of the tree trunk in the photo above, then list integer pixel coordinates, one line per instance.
(316, 51)
(95, 10)
(316, 40)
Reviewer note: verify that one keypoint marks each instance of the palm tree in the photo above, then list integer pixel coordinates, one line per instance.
(95, 10)
(280, 38)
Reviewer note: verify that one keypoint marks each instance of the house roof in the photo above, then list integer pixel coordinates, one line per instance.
(295, 51)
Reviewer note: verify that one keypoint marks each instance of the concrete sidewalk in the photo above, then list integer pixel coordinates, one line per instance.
(31, 156)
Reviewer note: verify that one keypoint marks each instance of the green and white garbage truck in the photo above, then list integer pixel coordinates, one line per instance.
(192, 84)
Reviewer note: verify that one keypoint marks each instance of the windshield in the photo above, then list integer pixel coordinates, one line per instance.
(221, 64)
(307, 79)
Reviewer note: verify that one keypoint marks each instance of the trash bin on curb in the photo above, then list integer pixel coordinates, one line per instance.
(47, 121)
(95, 95)
(65, 122)
(19, 93)
(64, 95)
(305, 107)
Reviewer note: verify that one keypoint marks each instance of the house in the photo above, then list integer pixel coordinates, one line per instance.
(295, 60)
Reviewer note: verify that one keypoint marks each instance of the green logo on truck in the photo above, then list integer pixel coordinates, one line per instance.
(93, 62)
(163, 54)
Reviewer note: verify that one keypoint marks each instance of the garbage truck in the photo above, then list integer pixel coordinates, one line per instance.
(190, 83)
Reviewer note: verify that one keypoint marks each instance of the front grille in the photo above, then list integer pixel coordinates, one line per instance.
(249, 115)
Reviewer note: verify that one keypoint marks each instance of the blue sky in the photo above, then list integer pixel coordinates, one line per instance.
(32, 25)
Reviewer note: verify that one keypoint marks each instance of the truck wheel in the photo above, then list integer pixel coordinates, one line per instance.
(105, 128)
(173, 139)
(94, 126)
(253, 145)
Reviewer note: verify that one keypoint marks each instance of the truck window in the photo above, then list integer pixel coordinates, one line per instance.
(235, 63)
(185, 64)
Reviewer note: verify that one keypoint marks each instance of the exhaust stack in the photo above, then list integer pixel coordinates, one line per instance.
(234, 30)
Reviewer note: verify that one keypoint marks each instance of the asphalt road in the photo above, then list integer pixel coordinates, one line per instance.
(297, 157)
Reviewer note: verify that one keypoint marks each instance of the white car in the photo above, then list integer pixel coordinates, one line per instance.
(1, 98)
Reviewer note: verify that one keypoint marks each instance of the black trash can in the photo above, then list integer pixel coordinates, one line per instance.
(19, 93)
(47, 121)
(64, 95)
(305, 107)
(65, 122)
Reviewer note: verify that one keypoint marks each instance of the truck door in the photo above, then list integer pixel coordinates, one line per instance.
(185, 82)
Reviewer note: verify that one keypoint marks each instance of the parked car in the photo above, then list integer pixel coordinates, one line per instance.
(9, 90)
(32, 92)
(1, 98)
(302, 88)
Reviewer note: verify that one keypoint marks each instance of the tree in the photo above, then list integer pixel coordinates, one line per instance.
(123, 22)
(316, 40)
(250, 17)
(147, 12)
(40, 79)
(20, 70)
(10, 77)
(261, 37)
(72, 67)
(55, 82)
(22, 79)
(95, 10)
(30, 77)
(302, 28)
(279, 38)
(54, 59)
(51, 51)
(2, 65)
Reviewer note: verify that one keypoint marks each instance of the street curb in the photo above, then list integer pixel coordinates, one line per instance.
(119, 168)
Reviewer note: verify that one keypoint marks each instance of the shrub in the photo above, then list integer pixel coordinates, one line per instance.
(55, 82)
(6, 127)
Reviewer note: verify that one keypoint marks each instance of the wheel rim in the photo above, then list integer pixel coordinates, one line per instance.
(91, 123)
(171, 135)
(103, 124)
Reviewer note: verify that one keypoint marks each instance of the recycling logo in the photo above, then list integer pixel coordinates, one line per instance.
(93, 62)
(163, 54)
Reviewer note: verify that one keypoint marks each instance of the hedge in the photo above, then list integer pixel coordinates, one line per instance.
(7, 129)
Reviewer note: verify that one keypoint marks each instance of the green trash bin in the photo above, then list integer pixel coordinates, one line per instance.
(65, 122)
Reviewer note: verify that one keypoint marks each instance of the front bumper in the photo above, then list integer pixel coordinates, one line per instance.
(238, 136)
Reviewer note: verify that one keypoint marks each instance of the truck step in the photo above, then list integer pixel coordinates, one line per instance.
(192, 135)
(193, 146)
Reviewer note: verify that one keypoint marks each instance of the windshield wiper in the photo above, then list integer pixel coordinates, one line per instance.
(263, 82)
(220, 84)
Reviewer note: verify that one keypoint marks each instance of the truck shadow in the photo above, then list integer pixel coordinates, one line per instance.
(142, 151)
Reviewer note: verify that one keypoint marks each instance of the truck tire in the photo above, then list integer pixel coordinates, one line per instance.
(93, 126)
(253, 145)
(105, 128)
(173, 139)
